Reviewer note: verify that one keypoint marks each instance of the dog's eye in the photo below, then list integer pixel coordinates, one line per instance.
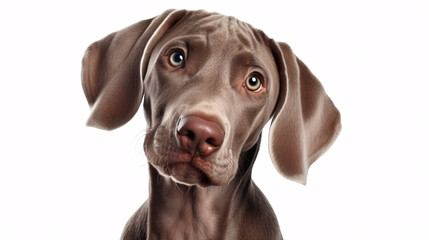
(177, 59)
(253, 83)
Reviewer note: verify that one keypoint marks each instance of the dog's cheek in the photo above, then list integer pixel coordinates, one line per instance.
(158, 152)
(225, 174)
(148, 145)
(148, 103)
(249, 127)
(147, 110)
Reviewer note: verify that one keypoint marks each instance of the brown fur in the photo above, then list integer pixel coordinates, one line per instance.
(211, 196)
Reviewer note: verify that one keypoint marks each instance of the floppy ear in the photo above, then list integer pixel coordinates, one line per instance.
(305, 121)
(113, 69)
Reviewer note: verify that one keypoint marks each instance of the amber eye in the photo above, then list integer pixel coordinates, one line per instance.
(177, 59)
(253, 83)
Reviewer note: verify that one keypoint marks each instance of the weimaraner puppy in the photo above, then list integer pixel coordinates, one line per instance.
(210, 83)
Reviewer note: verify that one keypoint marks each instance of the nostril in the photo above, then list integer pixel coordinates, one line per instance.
(190, 135)
(184, 130)
(212, 142)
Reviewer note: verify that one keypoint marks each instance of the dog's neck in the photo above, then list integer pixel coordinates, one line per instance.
(181, 212)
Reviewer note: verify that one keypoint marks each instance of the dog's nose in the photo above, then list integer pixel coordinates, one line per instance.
(199, 135)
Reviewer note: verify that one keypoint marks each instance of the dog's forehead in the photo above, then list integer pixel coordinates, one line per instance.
(220, 29)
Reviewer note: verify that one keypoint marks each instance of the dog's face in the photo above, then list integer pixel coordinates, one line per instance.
(210, 84)
(227, 77)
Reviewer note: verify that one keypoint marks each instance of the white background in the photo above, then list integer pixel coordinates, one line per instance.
(62, 180)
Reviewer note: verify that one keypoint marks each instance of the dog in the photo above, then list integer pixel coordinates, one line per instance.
(210, 83)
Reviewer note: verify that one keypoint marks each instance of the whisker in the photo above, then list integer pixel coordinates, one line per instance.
(177, 186)
(143, 164)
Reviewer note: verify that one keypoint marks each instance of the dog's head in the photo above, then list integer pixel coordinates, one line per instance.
(210, 84)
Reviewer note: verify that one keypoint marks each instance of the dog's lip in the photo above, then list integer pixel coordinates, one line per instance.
(197, 162)
(190, 170)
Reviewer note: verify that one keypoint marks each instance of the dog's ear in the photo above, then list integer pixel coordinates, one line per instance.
(305, 121)
(113, 69)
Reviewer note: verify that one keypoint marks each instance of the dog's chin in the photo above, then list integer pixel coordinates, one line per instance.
(188, 174)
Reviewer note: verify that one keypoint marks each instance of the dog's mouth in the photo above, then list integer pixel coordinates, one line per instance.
(187, 171)
(188, 174)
